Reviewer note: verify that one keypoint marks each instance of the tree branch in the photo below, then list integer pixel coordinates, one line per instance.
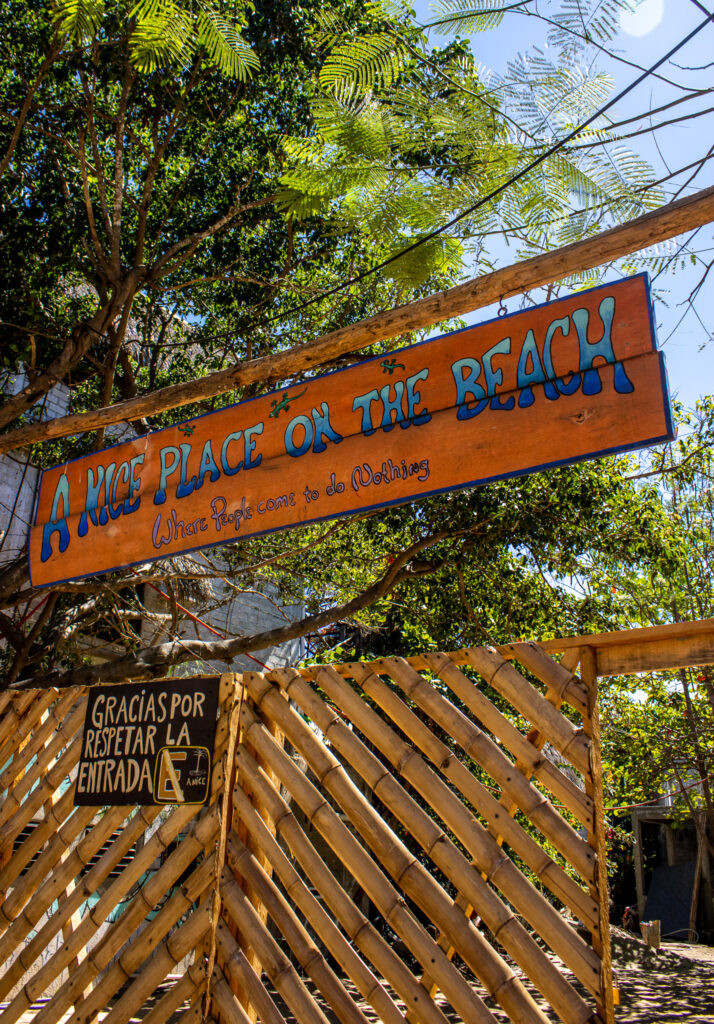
(52, 54)
(119, 169)
(99, 170)
(153, 661)
(73, 350)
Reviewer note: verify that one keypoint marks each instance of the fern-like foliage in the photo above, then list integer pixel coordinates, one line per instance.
(78, 20)
(472, 15)
(165, 33)
(359, 65)
(589, 20)
(442, 255)
(407, 138)
(168, 33)
(224, 46)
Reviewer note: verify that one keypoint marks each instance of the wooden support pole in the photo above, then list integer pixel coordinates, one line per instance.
(601, 937)
(234, 824)
(656, 226)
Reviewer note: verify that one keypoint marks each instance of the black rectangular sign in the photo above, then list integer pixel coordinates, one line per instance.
(148, 743)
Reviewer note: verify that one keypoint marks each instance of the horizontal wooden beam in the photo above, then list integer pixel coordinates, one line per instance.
(666, 631)
(650, 649)
(656, 655)
(657, 226)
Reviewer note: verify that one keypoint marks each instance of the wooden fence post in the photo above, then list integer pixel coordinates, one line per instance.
(241, 831)
(594, 788)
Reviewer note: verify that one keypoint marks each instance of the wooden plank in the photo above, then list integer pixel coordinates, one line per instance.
(467, 410)
(622, 637)
(663, 654)
(656, 226)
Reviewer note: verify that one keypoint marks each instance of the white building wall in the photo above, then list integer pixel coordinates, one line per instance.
(18, 484)
(18, 478)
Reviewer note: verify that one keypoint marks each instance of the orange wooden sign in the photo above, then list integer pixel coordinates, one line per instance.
(558, 383)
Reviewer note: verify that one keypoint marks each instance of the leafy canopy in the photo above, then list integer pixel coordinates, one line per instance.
(166, 33)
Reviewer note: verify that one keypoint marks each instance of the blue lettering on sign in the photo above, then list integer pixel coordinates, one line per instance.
(250, 461)
(552, 386)
(495, 377)
(364, 402)
(589, 351)
(181, 459)
(207, 466)
(470, 396)
(167, 468)
(57, 523)
(225, 465)
(565, 359)
(394, 410)
(313, 431)
(308, 433)
(91, 502)
(323, 428)
(478, 382)
(525, 377)
(105, 486)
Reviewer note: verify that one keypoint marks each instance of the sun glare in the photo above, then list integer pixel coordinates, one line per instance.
(644, 19)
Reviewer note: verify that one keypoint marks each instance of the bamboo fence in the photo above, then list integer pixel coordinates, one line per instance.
(407, 840)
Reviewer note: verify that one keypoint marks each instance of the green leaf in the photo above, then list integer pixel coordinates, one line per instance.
(224, 45)
(363, 64)
(163, 35)
(471, 15)
(78, 19)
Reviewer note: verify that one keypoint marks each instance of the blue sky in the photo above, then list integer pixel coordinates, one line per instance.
(685, 334)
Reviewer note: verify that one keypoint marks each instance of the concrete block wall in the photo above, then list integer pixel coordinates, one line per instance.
(243, 614)
(18, 484)
(18, 477)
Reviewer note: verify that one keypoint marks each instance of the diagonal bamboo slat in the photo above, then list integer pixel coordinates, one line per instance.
(390, 840)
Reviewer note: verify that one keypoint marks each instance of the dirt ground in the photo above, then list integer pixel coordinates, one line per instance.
(673, 984)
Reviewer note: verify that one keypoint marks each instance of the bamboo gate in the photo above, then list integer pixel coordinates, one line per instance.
(383, 841)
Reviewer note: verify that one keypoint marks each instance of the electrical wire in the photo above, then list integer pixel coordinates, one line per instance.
(202, 622)
(536, 162)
